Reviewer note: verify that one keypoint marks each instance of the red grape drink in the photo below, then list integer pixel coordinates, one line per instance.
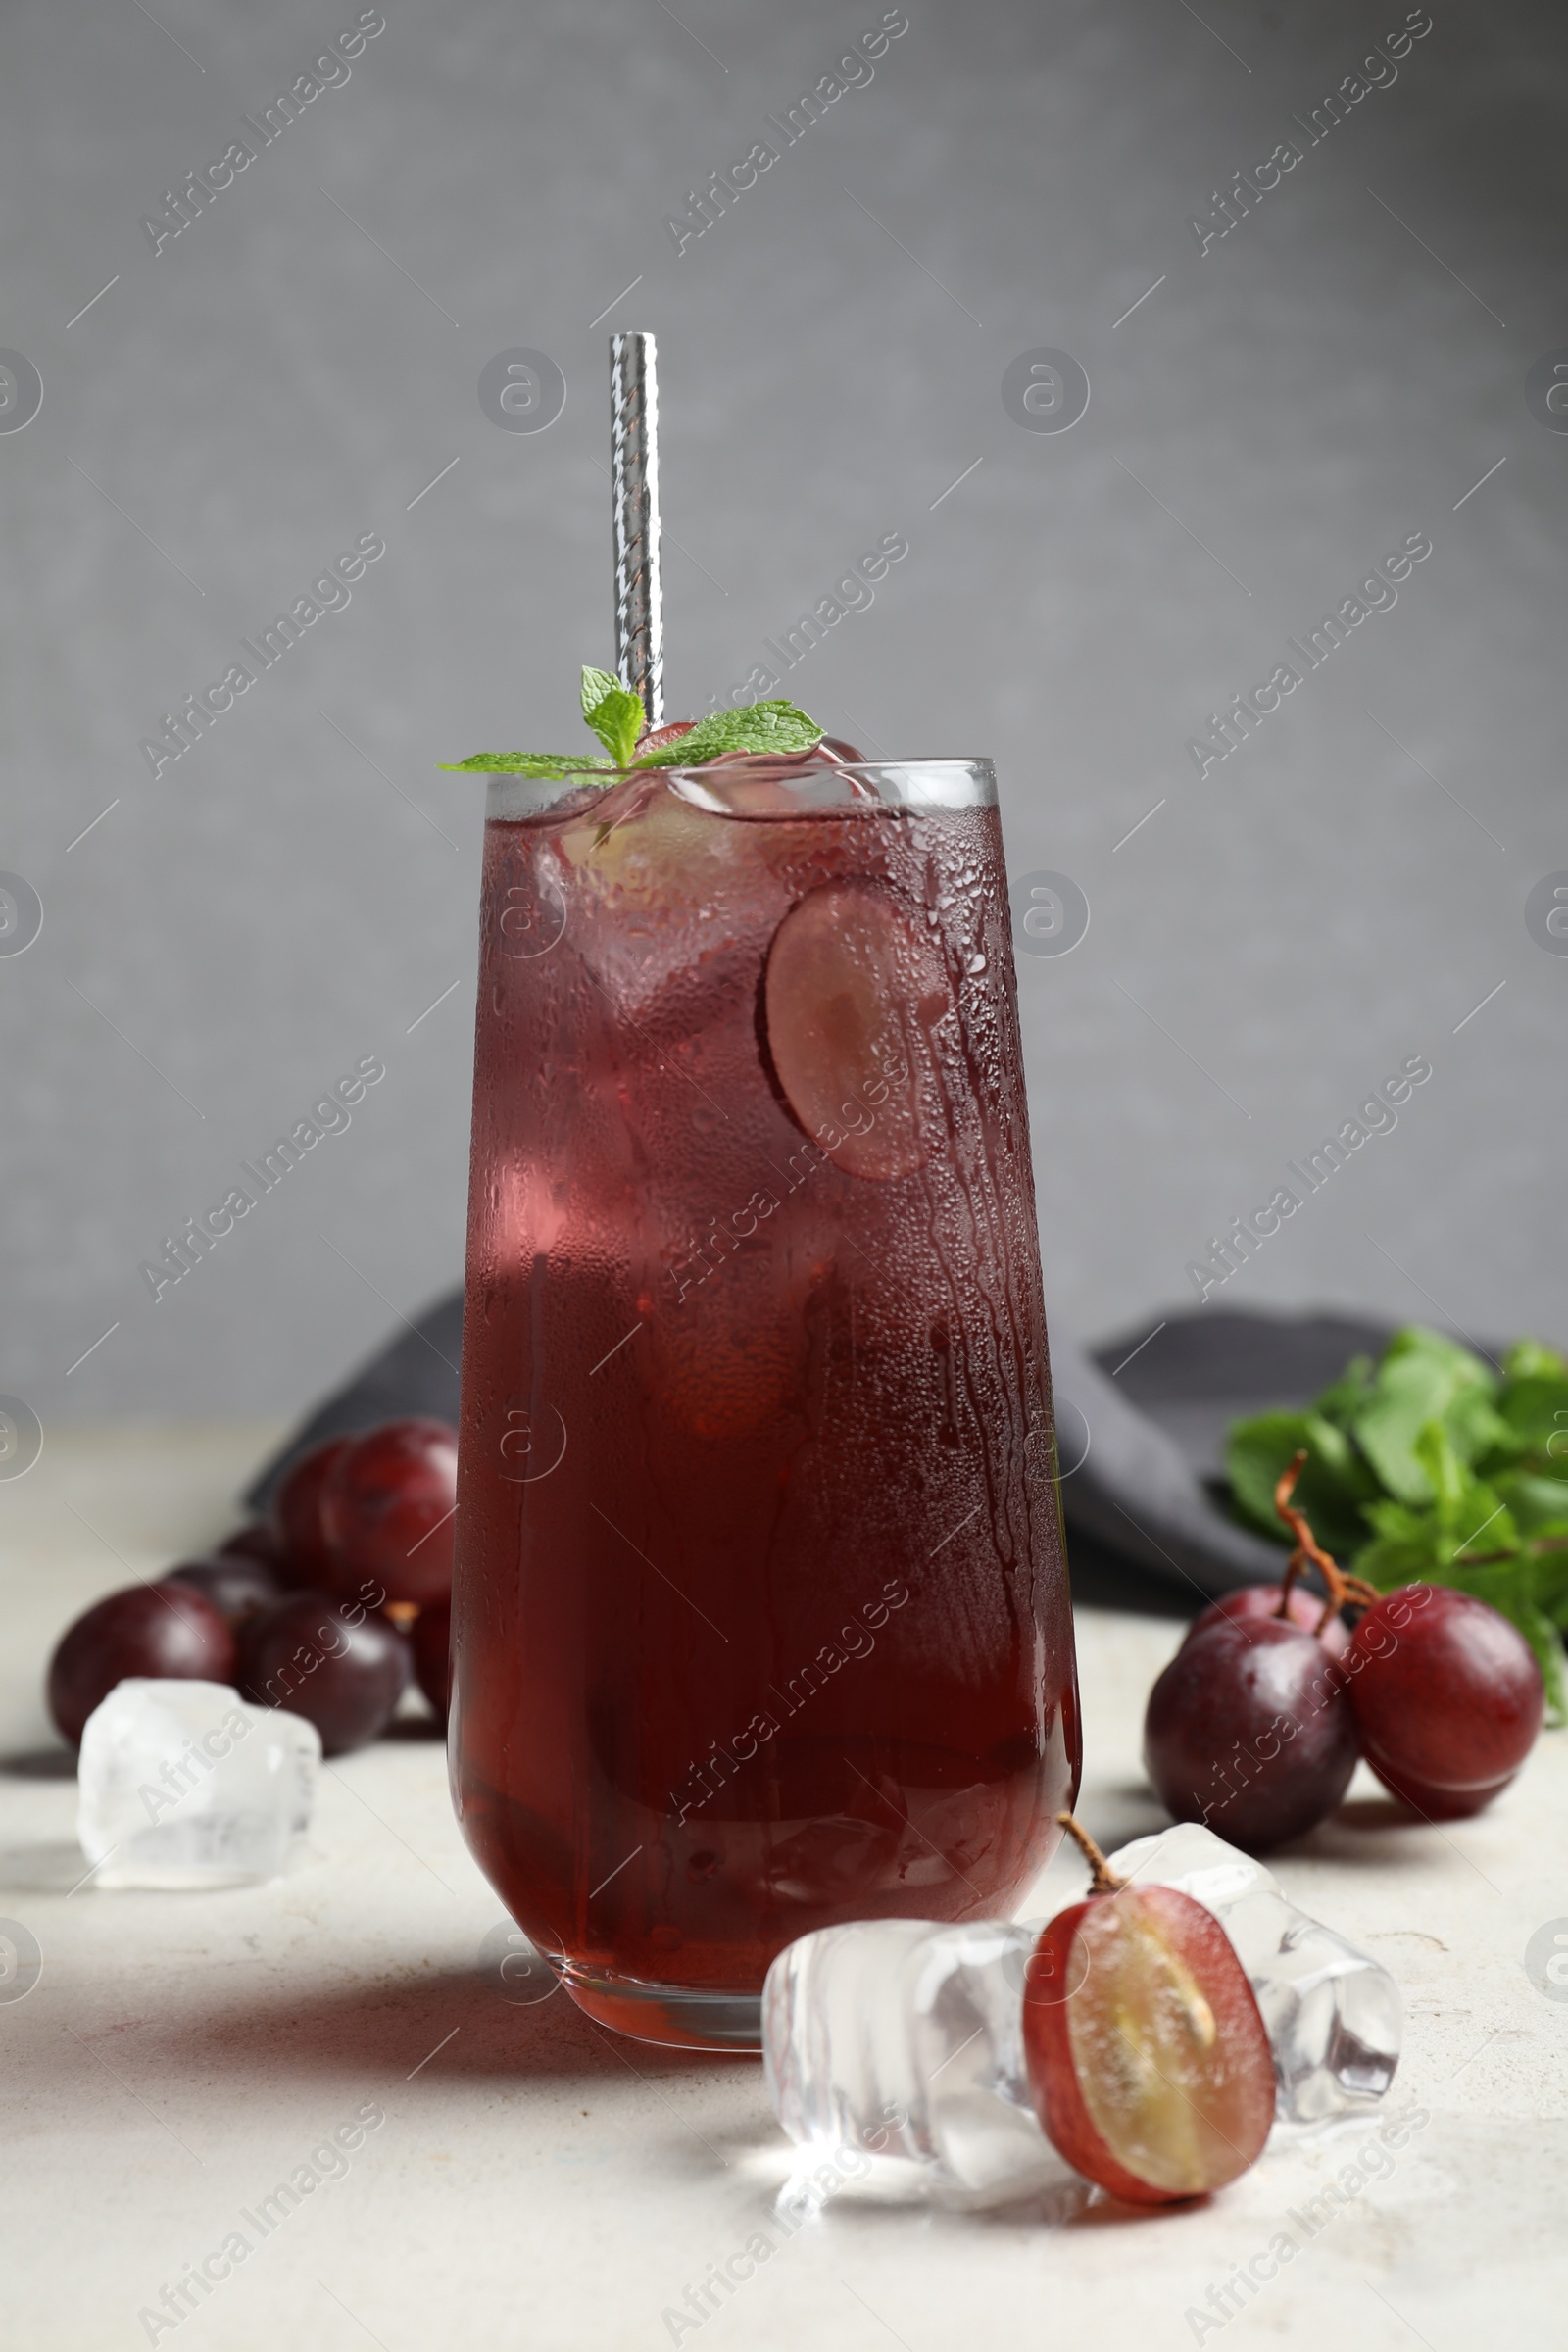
(760, 1619)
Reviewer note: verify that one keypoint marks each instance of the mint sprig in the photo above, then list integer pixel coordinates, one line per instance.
(616, 716)
(1431, 1466)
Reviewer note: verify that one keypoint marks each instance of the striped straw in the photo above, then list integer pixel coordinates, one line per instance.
(634, 468)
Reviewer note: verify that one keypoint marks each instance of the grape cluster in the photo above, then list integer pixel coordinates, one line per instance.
(330, 1609)
(1255, 1726)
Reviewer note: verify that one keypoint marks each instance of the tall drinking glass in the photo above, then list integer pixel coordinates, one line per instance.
(760, 1615)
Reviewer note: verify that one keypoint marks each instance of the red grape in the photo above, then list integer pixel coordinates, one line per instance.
(1148, 2057)
(239, 1587)
(340, 1667)
(1250, 1602)
(432, 1656)
(654, 739)
(258, 1542)
(167, 1632)
(297, 1511)
(835, 749)
(1446, 1695)
(1249, 1731)
(387, 1510)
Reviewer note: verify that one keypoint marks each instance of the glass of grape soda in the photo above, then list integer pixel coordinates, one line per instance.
(761, 1616)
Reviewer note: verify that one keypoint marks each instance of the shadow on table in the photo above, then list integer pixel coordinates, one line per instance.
(39, 1764)
(52, 1866)
(417, 2024)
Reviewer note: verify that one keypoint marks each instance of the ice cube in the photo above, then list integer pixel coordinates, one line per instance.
(185, 1785)
(1334, 2016)
(904, 2040)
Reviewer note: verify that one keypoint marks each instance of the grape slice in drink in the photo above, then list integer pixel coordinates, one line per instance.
(852, 989)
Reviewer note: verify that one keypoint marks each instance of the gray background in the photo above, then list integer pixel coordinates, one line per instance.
(1297, 400)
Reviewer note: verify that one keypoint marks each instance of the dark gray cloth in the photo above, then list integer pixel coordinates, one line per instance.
(416, 1372)
(1140, 1424)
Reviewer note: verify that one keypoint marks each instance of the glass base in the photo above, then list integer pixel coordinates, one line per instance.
(676, 2015)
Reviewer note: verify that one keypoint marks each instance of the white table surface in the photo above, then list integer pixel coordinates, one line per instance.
(537, 2183)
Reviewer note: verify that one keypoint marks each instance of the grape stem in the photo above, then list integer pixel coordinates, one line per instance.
(1534, 1548)
(1342, 1587)
(1104, 1880)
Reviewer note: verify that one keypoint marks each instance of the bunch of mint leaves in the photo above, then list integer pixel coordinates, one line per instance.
(1431, 1466)
(618, 717)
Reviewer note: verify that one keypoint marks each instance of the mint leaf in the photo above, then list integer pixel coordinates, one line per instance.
(1424, 1378)
(1552, 1580)
(527, 763)
(761, 727)
(1344, 1397)
(614, 713)
(1539, 1506)
(1433, 1347)
(618, 717)
(1403, 1549)
(1535, 1410)
(1332, 1486)
(1447, 1474)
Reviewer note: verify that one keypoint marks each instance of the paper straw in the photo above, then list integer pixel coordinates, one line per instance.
(634, 470)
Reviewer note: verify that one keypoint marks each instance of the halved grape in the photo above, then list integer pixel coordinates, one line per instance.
(1148, 2059)
(851, 993)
